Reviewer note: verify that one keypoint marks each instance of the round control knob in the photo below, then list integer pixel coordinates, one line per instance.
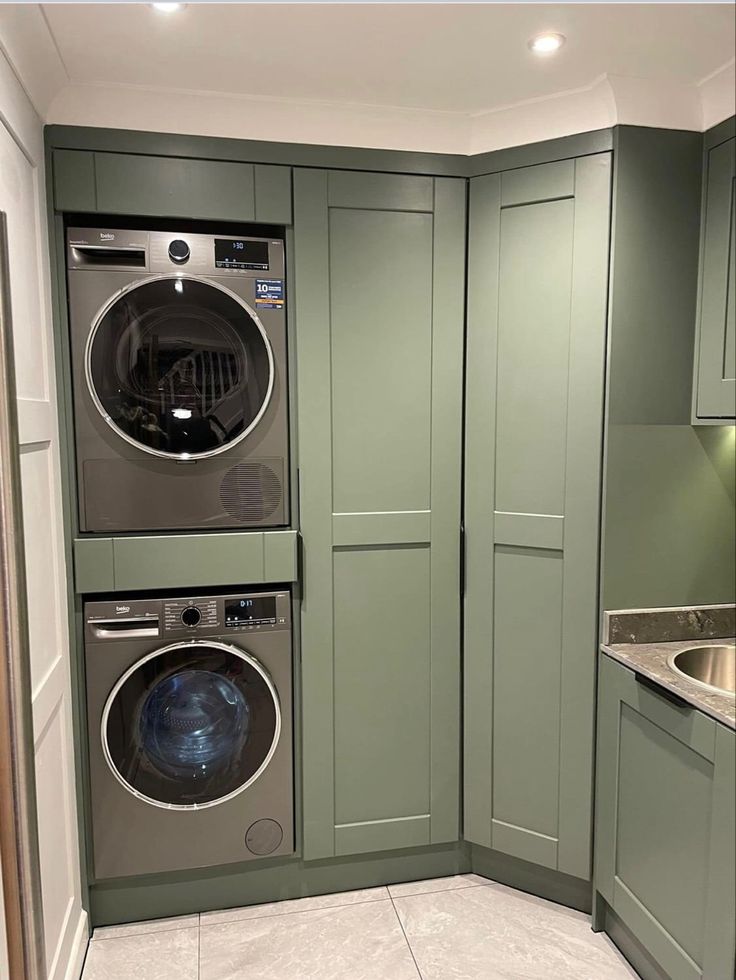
(178, 251)
(191, 616)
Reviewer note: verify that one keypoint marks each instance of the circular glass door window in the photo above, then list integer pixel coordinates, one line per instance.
(191, 725)
(179, 367)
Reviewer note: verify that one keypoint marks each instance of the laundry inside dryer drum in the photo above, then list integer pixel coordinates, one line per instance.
(191, 726)
(179, 367)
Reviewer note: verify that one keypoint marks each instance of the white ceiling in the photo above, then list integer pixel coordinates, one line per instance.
(455, 57)
(415, 75)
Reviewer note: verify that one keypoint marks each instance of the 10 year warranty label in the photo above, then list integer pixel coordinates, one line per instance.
(270, 294)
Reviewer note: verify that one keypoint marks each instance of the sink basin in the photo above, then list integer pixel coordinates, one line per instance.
(713, 667)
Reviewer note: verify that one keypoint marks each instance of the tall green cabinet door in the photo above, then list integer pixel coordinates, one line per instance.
(379, 294)
(715, 377)
(538, 261)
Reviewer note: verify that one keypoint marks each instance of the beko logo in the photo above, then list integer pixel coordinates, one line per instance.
(122, 609)
(106, 236)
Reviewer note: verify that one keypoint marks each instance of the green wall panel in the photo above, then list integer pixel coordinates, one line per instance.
(670, 516)
(669, 489)
(379, 302)
(538, 264)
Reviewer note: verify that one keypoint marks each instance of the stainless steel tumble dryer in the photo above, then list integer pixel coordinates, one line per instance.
(189, 709)
(178, 347)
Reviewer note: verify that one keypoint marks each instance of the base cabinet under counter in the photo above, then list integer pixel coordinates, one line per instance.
(665, 853)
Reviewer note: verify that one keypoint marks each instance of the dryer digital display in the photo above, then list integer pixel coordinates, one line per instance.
(251, 609)
(240, 253)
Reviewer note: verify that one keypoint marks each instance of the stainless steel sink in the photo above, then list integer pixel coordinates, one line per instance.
(713, 667)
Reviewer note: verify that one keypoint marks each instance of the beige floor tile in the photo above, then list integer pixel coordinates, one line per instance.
(354, 942)
(154, 956)
(451, 882)
(496, 933)
(143, 928)
(288, 906)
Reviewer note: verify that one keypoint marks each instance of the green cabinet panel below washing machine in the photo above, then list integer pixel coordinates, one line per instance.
(379, 293)
(665, 852)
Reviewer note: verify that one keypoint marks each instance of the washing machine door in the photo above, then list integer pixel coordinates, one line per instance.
(179, 367)
(191, 725)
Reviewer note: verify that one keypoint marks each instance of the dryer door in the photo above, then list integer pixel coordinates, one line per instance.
(179, 367)
(191, 725)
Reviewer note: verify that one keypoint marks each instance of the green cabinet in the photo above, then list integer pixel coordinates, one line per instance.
(171, 187)
(378, 303)
(538, 264)
(714, 398)
(665, 854)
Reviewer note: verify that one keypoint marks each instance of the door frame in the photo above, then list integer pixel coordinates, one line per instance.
(19, 853)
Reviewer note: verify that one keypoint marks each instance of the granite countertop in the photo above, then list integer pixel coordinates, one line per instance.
(651, 636)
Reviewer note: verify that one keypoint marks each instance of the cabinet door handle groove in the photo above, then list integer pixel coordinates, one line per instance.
(662, 691)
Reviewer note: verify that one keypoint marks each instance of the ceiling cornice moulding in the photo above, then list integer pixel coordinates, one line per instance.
(607, 101)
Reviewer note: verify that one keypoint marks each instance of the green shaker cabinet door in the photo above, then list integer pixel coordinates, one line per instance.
(538, 262)
(665, 825)
(715, 380)
(379, 285)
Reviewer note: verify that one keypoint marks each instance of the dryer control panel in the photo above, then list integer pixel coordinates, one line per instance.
(201, 616)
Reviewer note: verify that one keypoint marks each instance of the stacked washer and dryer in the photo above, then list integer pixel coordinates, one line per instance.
(179, 376)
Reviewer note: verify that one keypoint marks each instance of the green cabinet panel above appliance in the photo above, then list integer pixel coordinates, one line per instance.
(538, 262)
(379, 268)
(714, 395)
(103, 564)
(171, 187)
(665, 854)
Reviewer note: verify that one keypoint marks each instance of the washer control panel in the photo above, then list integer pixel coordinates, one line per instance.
(198, 616)
(190, 614)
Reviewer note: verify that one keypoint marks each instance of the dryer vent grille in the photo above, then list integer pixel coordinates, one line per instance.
(252, 491)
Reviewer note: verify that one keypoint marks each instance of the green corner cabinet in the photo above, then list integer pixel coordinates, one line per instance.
(538, 267)
(714, 388)
(665, 843)
(379, 303)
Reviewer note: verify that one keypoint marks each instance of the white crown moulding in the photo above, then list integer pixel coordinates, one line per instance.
(607, 101)
(610, 100)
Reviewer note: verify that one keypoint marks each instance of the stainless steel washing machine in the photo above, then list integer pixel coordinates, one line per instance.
(179, 370)
(189, 707)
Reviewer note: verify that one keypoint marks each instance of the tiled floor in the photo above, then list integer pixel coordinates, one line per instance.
(458, 928)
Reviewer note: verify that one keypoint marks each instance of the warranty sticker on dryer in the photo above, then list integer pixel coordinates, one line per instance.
(270, 294)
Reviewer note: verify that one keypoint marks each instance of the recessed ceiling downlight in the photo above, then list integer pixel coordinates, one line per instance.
(167, 8)
(546, 43)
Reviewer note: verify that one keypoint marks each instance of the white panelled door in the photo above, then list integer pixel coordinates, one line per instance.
(22, 199)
